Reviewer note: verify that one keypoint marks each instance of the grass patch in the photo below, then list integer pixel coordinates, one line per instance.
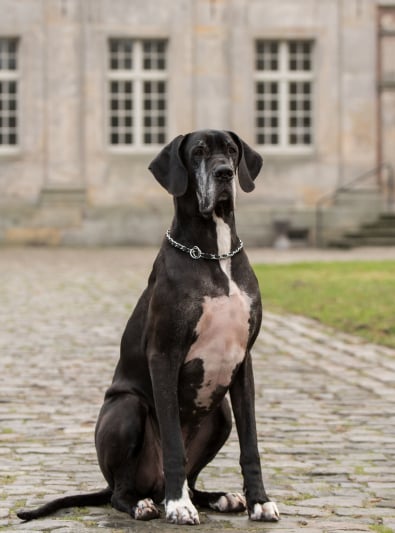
(355, 297)
(382, 529)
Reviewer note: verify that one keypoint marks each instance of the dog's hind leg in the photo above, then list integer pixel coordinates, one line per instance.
(212, 435)
(120, 434)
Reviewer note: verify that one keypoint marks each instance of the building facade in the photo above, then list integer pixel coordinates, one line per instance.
(90, 90)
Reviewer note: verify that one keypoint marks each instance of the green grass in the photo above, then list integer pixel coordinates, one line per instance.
(355, 297)
(382, 529)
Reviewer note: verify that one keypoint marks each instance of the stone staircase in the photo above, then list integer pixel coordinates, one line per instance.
(378, 233)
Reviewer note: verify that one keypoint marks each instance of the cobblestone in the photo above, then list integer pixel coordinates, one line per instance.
(325, 403)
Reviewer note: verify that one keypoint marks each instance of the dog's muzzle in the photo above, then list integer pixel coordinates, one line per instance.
(214, 188)
(224, 173)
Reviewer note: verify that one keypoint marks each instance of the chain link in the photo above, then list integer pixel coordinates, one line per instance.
(196, 253)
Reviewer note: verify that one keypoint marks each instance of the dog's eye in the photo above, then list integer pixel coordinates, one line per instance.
(232, 150)
(199, 151)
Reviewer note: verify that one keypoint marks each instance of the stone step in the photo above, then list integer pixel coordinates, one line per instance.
(380, 232)
(355, 240)
(380, 225)
(372, 232)
(384, 221)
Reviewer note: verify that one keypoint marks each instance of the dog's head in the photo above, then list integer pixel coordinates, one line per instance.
(206, 163)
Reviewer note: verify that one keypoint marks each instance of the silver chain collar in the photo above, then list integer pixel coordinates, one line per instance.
(196, 253)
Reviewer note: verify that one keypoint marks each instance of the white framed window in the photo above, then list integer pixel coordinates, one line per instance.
(137, 92)
(8, 93)
(284, 95)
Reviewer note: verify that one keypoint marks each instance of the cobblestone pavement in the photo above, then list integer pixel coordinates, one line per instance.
(325, 403)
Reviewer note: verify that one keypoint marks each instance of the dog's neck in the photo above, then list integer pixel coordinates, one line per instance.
(215, 234)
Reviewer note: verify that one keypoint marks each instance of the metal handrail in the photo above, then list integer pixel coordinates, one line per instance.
(390, 193)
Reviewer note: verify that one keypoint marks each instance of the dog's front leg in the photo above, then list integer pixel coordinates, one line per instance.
(164, 377)
(243, 403)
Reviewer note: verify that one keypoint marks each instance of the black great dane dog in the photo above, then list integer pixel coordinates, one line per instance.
(187, 343)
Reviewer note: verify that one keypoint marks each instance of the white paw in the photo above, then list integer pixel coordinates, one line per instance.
(230, 503)
(146, 510)
(182, 511)
(266, 512)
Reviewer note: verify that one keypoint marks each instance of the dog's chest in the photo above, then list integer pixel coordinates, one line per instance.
(222, 335)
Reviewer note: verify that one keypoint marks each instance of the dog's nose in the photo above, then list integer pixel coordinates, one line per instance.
(224, 172)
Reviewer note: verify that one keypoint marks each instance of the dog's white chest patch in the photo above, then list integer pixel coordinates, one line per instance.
(222, 336)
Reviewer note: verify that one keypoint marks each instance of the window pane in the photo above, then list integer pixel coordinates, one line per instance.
(260, 122)
(300, 117)
(154, 117)
(136, 95)
(120, 112)
(8, 113)
(267, 116)
(283, 106)
(299, 55)
(120, 54)
(8, 93)
(8, 54)
(154, 55)
(267, 57)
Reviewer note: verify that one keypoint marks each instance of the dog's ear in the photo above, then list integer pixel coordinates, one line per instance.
(250, 163)
(169, 170)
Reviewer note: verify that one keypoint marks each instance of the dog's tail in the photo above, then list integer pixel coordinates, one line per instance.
(101, 497)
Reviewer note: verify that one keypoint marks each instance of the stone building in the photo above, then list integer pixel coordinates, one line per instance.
(91, 89)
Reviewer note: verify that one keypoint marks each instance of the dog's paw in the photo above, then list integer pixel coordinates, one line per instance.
(181, 512)
(230, 503)
(145, 510)
(266, 512)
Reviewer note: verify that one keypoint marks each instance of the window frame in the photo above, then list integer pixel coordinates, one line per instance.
(137, 76)
(284, 77)
(13, 75)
